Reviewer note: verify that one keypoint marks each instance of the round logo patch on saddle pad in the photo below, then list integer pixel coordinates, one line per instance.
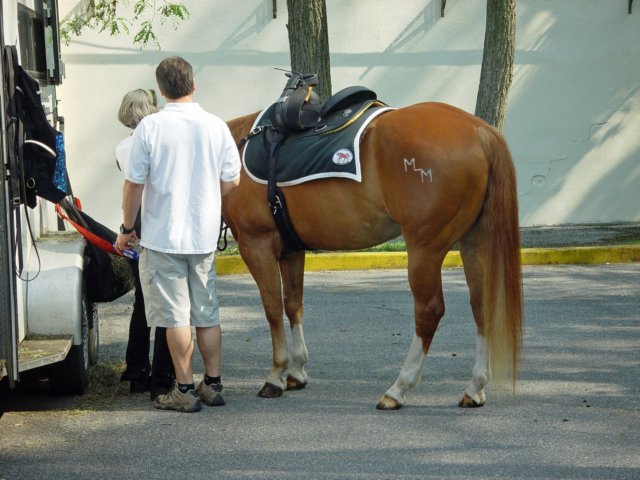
(342, 157)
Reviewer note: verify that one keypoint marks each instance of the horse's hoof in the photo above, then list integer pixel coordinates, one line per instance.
(294, 384)
(270, 391)
(388, 403)
(467, 402)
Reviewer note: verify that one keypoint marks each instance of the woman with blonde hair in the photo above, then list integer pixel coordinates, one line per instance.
(142, 377)
(135, 105)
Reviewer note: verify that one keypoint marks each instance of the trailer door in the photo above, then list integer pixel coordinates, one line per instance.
(8, 312)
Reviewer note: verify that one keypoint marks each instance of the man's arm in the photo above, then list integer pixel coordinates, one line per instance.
(131, 201)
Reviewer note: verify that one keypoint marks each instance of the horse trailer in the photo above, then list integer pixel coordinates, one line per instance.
(46, 320)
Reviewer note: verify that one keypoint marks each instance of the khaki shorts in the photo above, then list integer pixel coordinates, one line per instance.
(179, 289)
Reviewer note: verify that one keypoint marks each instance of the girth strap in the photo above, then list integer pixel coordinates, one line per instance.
(277, 201)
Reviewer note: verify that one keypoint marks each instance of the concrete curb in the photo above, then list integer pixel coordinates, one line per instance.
(233, 264)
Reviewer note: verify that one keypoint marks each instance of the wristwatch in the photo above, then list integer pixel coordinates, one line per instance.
(126, 231)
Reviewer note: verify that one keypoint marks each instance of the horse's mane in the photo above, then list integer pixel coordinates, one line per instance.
(242, 125)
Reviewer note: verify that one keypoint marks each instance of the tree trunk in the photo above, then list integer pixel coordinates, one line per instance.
(309, 41)
(497, 61)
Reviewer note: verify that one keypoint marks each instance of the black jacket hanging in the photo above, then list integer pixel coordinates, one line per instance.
(38, 147)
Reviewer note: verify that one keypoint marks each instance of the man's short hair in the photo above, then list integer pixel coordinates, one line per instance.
(175, 77)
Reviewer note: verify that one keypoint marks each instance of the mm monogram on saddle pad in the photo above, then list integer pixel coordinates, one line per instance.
(328, 149)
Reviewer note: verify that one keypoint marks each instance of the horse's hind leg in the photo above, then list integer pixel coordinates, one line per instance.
(474, 395)
(292, 272)
(426, 285)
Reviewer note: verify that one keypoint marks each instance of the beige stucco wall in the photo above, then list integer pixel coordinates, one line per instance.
(573, 121)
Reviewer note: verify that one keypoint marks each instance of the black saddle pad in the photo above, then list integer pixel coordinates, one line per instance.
(311, 154)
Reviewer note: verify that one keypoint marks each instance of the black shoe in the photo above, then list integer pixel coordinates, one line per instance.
(140, 384)
(134, 373)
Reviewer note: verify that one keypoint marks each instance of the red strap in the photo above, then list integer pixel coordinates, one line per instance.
(90, 236)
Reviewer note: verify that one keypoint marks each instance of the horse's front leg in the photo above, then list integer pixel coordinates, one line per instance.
(263, 265)
(292, 272)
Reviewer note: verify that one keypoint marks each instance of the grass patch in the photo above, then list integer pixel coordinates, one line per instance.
(543, 237)
(397, 245)
(629, 241)
(231, 249)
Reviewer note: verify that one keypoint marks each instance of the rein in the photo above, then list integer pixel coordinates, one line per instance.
(222, 236)
(222, 243)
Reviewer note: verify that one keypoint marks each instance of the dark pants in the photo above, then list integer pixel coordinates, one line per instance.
(138, 347)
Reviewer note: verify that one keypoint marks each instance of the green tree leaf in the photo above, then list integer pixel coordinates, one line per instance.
(103, 16)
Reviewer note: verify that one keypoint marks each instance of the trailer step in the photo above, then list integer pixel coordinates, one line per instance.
(43, 350)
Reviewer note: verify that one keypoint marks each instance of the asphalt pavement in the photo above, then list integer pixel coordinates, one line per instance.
(575, 414)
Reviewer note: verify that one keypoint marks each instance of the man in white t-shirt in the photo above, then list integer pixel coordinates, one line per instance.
(183, 160)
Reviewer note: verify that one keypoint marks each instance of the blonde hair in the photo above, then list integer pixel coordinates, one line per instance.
(136, 105)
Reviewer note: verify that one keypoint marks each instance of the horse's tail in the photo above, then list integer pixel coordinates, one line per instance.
(499, 245)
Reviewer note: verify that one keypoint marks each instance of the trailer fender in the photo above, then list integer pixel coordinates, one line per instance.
(54, 295)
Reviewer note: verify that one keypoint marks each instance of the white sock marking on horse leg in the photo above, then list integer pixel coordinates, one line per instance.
(481, 373)
(410, 372)
(299, 354)
(280, 366)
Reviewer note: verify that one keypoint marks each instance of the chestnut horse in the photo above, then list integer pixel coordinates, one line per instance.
(431, 172)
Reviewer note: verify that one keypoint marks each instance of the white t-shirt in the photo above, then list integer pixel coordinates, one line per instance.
(181, 154)
(123, 150)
